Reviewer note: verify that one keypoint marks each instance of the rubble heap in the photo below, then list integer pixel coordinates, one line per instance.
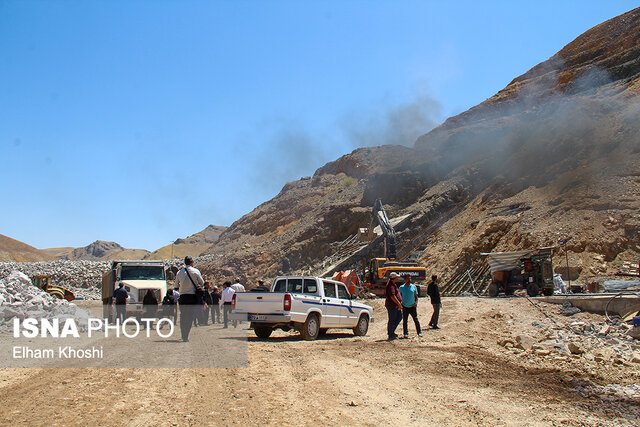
(19, 298)
(83, 278)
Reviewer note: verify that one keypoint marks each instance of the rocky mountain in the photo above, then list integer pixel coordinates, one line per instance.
(552, 157)
(14, 250)
(98, 251)
(193, 245)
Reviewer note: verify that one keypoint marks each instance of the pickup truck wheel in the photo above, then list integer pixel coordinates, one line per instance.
(263, 332)
(311, 327)
(362, 327)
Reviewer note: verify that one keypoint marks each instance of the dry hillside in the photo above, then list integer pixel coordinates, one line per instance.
(97, 251)
(552, 156)
(13, 250)
(193, 245)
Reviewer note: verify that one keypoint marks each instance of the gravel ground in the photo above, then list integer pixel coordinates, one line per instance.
(494, 362)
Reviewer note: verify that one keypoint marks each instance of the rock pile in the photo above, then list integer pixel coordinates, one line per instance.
(19, 298)
(568, 309)
(83, 278)
(592, 342)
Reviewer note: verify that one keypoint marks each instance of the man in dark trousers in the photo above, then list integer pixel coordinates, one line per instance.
(393, 303)
(190, 284)
(409, 294)
(215, 305)
(434, 293)
(120, 297)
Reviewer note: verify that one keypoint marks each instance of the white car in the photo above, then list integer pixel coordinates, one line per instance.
(310, 305)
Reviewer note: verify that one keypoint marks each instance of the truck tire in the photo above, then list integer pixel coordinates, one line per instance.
(311, 327)
(362, 327)
(493, 290)
(263, 332)
(533, 290)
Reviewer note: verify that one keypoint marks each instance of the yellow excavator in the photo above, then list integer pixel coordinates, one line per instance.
(381, 268)
(42, 282)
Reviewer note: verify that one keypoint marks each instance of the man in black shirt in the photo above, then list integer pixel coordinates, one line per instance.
(120, 297)
(215, 305)
(260, 288)
(434, 293)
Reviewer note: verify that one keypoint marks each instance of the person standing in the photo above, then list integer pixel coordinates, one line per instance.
(393, 303)
(190, 283)
(207, 304)
(120, 297)
(176, 298)
(434, 293)
(227, 297)
(409, 293)
(169, 306)
(215, 306)
(238, 287)
(260, 288)
(150, 305)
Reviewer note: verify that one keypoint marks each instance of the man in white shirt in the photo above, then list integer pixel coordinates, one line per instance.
(189, 281)
(227, 297)
(238, 287)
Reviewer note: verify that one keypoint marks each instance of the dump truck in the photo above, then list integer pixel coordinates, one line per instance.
(381, 268)
(137, 277)
(531, 270)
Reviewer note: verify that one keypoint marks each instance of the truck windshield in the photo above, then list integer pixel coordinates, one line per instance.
(142, 272)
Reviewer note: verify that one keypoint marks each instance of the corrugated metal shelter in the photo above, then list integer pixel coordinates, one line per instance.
(506, 261)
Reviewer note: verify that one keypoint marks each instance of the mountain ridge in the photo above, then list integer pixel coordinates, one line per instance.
(559, 143)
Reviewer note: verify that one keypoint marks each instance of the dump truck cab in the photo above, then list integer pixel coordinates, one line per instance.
(137, 277)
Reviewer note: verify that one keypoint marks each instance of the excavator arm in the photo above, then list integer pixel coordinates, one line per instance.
(387, 230)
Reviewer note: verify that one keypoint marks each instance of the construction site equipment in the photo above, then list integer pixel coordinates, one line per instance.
(137, 277)
(44, 282)
(527, 269)
(351, 278)
(381, 268)
(475, 280)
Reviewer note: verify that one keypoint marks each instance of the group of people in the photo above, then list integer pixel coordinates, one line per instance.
(197, 299)
(192, 296)
(402, 302)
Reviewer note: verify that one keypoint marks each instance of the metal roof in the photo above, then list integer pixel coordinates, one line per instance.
(504, 261)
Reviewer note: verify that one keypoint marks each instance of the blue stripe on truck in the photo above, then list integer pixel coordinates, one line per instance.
(324, 303)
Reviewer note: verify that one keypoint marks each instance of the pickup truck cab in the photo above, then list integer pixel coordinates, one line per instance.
(310, 305)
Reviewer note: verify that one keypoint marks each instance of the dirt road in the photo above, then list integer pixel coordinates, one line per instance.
(467, 373)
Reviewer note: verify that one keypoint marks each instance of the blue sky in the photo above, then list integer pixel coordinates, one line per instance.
(144, 121)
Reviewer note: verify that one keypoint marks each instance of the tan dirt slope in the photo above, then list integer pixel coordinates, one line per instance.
(14, 250)
(193, 245)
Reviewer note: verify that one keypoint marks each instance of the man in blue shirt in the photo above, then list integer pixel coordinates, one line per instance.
(409, 294)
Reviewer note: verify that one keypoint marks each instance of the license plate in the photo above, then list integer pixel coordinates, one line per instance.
(257, 317)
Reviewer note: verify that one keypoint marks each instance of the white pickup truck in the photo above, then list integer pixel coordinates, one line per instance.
(310, 305)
